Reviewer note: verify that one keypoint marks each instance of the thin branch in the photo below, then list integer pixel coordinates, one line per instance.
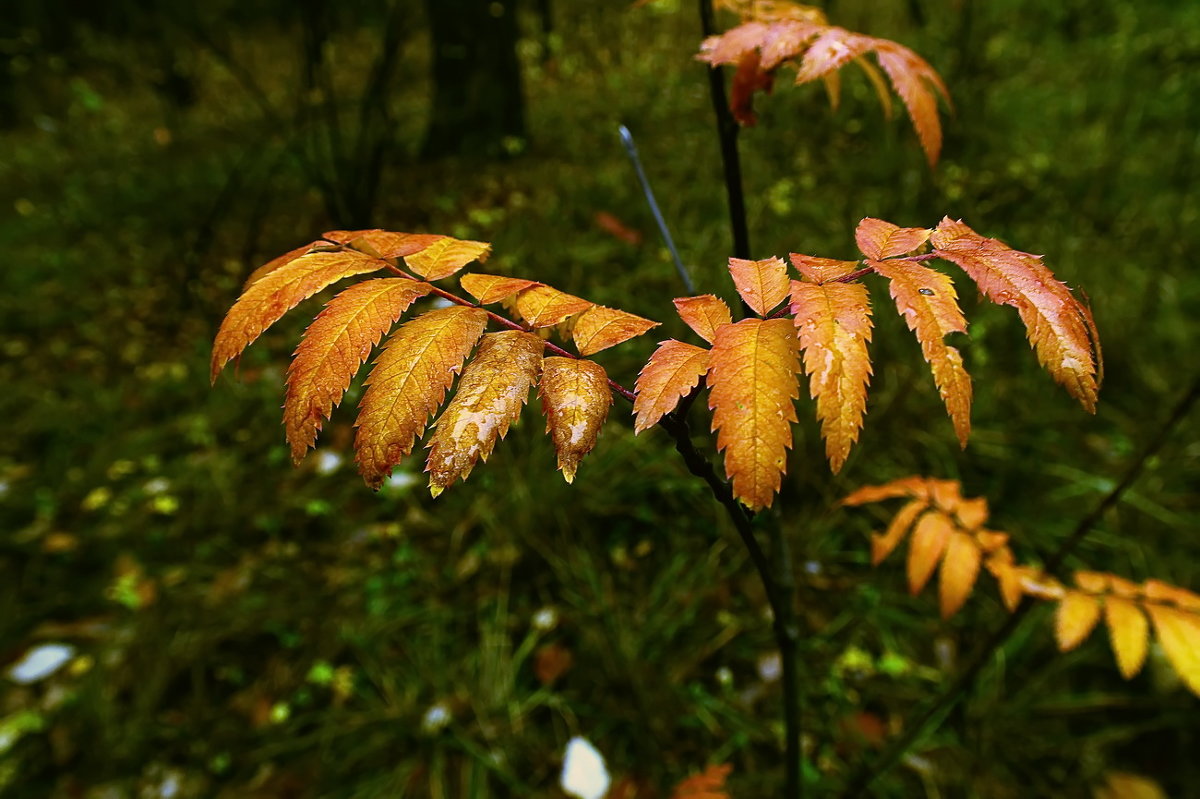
(631, 148)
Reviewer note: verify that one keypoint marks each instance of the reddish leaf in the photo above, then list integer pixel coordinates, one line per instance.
(878, 239)
(916, 82)
(747, 79)
(710, 784)
(334, 347)
(575, 398)
(752, 376)
(408, 384)
(612, 225)
(832, 50)
(761, 284)
(703, 314)
(671, 373)
(599, 328)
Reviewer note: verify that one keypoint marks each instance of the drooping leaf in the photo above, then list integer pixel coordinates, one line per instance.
(1179, 633)
(960, 569)
(1127, 632)
(916, 82)
(672, 372)
(752, 377)
(273, 295)
(925, 547)
(927, 301)
(1075, 619)
(832, 50)
(703, 314)
(445, 257)
(879, 84)
(490, 395)
(408, 383)
(384, 243)
(575, 398)
(599, 328)
(822, 270)
(542, 306)
(834, 325)
(334, 347)
(761, 284)
(878, 239)
(748, 79)
(273, 264)
(709, 784)
(1058, 326)
(898, 527)
(487, 289)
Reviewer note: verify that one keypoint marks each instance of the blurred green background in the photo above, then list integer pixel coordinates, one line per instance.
(237, 627)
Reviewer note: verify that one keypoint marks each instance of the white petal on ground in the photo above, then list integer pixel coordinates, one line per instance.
(40, 662)
(584, 775)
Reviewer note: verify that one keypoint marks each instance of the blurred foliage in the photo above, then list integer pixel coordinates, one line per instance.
(240, 628)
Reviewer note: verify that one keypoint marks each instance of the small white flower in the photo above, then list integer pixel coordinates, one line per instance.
(770, 667)
(584, 775)
(328, 461)
(40, 662)
(545, 620)
(436, 718)
(157, 485)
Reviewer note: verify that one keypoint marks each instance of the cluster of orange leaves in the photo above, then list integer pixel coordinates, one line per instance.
(949, 530)
(420, 360)
(751, 367)
(777, 32)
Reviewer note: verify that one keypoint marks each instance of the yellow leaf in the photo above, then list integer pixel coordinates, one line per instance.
(752, 377)
(902, 522)
(542, 306)
(914, 486)
(671, 373)
(384, 243)
(960, 569)
(487, 289)
(1075, 619)
(1118, 785)
(408, 383)
(490, 395)
(445, 257)
(1179, 633)
(273, 264)
(834, 324)
(274, 294)
(1127, 631)
(575, 398)
(761, 284)
(334, 347)
(703, 314)
(927, 301)
(925, 548)
(599, 328)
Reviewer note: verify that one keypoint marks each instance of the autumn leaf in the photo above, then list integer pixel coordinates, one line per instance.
(599, 328)
(543, 306)
(878, 239)
(925, 548)
(752, 377)
(273, 264)
(927, 301)
(1127, 632)
(919, 86)
(709, 784)
(490, 395)
(703, 314)
(672, 372)
(915, 486)
(748, 79)
(1179, 634)
(834, 325)
(446, 256)
(822, 270)
(1059, 327)
(487, 289)
(273, 295)
(959, 571)
(384, 243)
(831, 50)
(334, 347)
(408, 383)
(1075, 619)
(575, 398)
(898, 527)
(761, 284)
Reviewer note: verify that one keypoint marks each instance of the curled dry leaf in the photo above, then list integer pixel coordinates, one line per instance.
(672, 372)
(599, 328)
(273, 295)
(753, 388)
(408, 384)
(333, 348)
(575, 398)
(703, 314)
(490, 395)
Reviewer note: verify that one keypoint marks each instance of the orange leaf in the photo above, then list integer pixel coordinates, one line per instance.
(747, 79)
(1127, 631)
(1076, 618)
(334, 347)
(445, 257)
(821, 270)
(493, 288)
(408, 383)
(925, 548)
(832, 50)
(542, 306)
(927, 301)
(575, 398)
(1179, 633)
(273, 295)
(1162, 592)
(761, 284)
(384, 243)
(1119, 785)
(1058, 326)
(273, 264)
(490, 395)
(834, 324)
(709, 784)
(752, 376)
(787, 39)
(1092, 582)
(878, 239)
(971, 513)
(915, 82)
(671, 373)
(960, 569)
(703, 314)
(902, 522)
(903, 487)
(599, 328)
